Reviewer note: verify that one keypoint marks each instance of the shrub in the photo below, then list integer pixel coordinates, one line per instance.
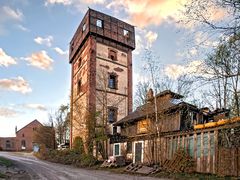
(78, 145)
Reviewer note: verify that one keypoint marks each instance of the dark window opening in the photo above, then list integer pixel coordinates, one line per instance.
(112, 82)
(22, 135)
(116, 149)
(112, 55)
(112, 115)
(79, 84)
(129, 147)
(34, 129)
(79, 62)
(99, 23)
(115, 130)
(8, 144)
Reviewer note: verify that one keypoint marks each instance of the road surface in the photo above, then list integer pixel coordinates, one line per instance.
(38, 169)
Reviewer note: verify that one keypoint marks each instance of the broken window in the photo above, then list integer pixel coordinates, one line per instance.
(99, 23)
(112, 114)
(126, 33)
(84, 27)
(112, 54)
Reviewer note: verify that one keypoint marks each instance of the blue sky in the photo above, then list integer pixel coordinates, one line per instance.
(34, 39)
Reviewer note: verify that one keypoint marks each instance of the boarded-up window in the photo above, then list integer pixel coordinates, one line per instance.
(143, 126)
(212, 144)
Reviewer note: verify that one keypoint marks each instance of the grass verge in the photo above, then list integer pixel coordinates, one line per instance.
(5, 162)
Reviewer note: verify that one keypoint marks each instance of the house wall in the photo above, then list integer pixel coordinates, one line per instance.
(26, 134)
(8, 143)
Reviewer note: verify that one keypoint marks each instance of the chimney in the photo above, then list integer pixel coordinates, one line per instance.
(15, 129)
(149, 95)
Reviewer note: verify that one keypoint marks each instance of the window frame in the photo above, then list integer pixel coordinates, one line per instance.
(99, 23)
(84, 27)
(126, 33)
(112, 77)
(119, 149)
(114, 116)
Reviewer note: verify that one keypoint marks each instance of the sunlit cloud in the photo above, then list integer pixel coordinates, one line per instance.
(7, 112)
(60, 51)
(75, 3)
(144, 39)
(193, 68)
(6, 60)
(40, 107)
(18, 84)
(40, 60)
(44, 41)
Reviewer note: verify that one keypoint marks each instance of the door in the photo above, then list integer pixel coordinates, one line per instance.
(138, 152)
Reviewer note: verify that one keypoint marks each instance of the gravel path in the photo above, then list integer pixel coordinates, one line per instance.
(38, 169)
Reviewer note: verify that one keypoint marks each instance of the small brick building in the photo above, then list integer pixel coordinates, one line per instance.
(23, 140)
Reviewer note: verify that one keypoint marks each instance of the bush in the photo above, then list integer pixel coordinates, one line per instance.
(67, 156)
(78, 145)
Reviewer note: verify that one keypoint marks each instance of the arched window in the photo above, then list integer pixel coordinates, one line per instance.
(8, 144)
(23, 144)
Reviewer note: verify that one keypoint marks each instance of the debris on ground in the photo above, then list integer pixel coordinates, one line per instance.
(113, 162)
(139, 168)
(181, 162)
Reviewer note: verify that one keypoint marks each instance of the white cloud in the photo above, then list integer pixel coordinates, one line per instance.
(76, 3)
(60, 51)
(44, 41)
(144, 39)
(151, 37)
(40, 107)
(174, 70)
(23, 28)
(6, 60)
(12, 14)
(40, 60)
(17, 84)
(7, 112)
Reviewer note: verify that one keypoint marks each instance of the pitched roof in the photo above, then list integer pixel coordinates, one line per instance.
(35, 120)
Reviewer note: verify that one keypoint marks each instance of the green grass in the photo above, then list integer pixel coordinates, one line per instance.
(2, 175)
(5, 162)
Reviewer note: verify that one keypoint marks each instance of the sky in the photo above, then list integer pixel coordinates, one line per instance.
(34, 42)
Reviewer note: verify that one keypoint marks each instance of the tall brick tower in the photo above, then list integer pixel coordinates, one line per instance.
(101, 59)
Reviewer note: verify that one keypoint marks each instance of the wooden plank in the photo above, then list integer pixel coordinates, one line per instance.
(195, 145)
(201, 154)
(209, 153)
(215, 156)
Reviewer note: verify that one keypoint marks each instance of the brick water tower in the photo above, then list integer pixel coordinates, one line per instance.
(101, 60)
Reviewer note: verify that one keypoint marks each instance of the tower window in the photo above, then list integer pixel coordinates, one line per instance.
(112, 54)
(84, 27)
(112, 114)
(125, 33)
(99, 23)
(112, 81)
(79, 62)
(79, 84)
(22, 135)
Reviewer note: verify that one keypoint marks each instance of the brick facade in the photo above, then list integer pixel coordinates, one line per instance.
(23, 140)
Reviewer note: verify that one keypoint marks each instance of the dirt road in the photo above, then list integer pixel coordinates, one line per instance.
(38, 169)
